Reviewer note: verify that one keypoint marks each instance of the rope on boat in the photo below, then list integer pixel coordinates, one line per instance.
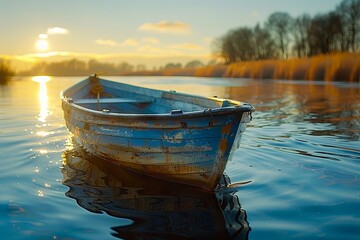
(96, 89)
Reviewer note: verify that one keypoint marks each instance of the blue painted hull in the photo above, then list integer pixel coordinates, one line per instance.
(144, 133)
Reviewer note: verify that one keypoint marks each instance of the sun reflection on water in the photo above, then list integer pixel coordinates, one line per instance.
(43, 97)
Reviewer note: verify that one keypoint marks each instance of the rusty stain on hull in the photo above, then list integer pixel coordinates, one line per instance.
(190, 146)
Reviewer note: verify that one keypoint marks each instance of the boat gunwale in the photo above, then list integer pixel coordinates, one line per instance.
(205, 112)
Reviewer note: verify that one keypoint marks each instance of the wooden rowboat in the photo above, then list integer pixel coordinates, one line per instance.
(165, 134)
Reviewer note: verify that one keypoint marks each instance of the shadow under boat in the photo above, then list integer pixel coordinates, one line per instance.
(158, 209)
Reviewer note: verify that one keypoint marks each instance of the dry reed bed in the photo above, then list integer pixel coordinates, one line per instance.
(333, 67)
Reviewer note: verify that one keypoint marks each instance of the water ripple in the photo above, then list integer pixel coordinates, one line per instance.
(299, 158)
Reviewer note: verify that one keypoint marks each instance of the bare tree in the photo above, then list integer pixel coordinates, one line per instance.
(300, 32)
(172, 65)
(324, 34)
(349, 11)
(279, 25)
(95, 66)
(194, 64)
(264, 45)
(225, 48)
(238, 45)
(244, 44)
(124, 67)
(140, 67)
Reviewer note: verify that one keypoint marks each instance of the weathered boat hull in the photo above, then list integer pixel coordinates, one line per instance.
(187, 148)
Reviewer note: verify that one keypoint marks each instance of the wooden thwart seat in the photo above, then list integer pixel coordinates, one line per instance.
(110, 100)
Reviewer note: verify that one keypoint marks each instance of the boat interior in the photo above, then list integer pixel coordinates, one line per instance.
(107, 96)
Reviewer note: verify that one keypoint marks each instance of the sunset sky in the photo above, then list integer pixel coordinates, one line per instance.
(150, 32)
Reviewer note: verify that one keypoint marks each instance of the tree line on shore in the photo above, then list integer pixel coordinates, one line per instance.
(281, 36)
(75, 67)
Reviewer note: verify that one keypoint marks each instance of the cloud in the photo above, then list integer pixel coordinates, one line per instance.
(147, 52)
(130, 42)
(57, 30)
(150, 40)
(187, 46)
(176, 49)
(43, 36)
(106, 42)
(149, 49)
(109, 42)
(47, 54)
(166, 27)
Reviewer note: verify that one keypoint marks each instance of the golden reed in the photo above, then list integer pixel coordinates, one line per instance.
(331, 67)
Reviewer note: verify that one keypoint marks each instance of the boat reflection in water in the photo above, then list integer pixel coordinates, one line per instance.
(158, 209)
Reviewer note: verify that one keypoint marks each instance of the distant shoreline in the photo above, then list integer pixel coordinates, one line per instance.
(343, 67)
(332, 67)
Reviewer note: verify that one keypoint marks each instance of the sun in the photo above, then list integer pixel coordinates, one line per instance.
(42, 44)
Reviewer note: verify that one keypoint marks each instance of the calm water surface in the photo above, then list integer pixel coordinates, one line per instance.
(301, 154)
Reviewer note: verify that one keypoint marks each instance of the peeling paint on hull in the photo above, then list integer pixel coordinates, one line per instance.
(191, 147)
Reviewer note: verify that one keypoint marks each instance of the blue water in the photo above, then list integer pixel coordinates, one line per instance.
(301, 154)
